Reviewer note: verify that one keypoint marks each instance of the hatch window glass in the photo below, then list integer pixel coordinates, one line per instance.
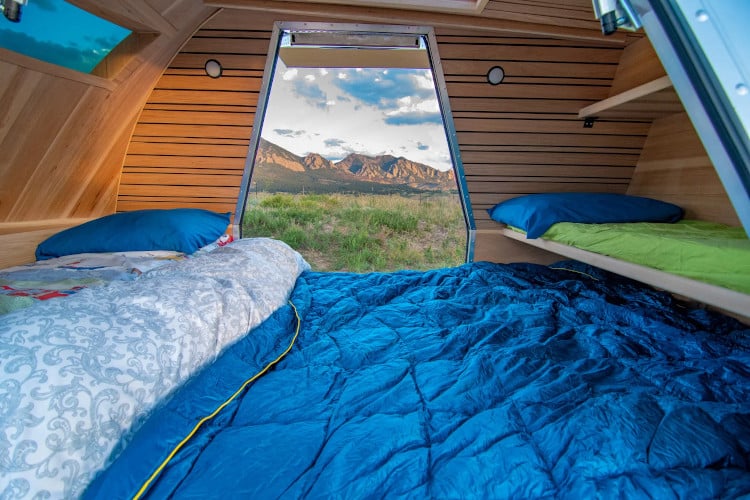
(353, 163)
(60, 33)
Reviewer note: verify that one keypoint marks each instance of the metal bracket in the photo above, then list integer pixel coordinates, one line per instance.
(588, 122)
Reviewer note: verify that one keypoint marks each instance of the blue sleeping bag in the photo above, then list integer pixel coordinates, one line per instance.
(483, 381)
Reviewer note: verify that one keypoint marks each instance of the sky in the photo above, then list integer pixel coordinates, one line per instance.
(58, 32)
(335, 112)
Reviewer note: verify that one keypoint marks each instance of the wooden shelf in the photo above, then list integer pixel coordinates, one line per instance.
(651, 100)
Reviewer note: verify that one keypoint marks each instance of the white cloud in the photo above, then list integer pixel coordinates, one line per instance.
(424, 80)
(411, 105)
(345, 126)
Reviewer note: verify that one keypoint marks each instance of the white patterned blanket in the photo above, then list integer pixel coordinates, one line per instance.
(78, 375)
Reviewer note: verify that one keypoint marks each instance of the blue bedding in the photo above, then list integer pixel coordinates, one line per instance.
(484, 380)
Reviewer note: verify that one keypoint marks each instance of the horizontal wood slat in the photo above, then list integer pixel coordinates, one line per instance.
(189, 131)
(209, 148)
(133, 172)
(546, 139)
(548, 185)
(462, 36)
(549, 125)
(515, 80)
(518, 69)
(539, 158)
(245, 62)
(162, 162)
(186, 117)
(193, 96)
(495, 171)
(127, 205)
(186, 192)
(228, 44)
(528, 91)
(216, 32)
(551, 53)
(167, 198)
(205, 83)
(546, 105)
(199, 107)
(180, 179)
(550, 149)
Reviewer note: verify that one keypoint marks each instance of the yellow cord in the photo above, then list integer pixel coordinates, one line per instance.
(574, 271)
(247, 382)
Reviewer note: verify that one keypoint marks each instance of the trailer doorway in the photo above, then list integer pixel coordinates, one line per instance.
(353, 159)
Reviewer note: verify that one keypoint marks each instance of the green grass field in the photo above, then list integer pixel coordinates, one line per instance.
(362, 233)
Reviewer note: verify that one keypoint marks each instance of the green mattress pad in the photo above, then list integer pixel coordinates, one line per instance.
(705, 251)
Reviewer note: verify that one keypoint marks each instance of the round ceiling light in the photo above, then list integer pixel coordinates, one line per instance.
(213, 68)
(495, 75)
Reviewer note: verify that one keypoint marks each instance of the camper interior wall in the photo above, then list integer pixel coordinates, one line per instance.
(77, 147)
(672, 166)
(523, 136)
(64, 134)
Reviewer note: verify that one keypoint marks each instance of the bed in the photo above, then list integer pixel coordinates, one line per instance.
(638, 237)
(80, 371)
(482, 380)
(116, 247)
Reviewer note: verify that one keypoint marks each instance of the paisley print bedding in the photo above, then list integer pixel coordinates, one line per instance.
(79, 375)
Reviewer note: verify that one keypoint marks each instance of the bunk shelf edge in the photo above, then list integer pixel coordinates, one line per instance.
(731, 301)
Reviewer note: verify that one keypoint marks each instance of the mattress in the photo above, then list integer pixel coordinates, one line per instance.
(704, 251)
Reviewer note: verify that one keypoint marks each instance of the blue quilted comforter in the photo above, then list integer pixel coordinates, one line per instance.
(484, 380)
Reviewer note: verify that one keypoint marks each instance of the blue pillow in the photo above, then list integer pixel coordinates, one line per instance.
(535, 213)
(180, 229)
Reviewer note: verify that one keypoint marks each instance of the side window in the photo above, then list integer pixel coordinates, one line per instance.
(352, 161)
(58, 32)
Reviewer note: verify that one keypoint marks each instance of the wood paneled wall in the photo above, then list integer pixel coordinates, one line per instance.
(63, 134)
(675, 167)
(183, 137)
(190, 144)
(522, 136)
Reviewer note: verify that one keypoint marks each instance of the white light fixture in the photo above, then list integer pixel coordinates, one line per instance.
(495, 75)
(213, 68)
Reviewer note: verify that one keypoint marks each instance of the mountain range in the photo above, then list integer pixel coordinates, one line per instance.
(277, 169)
